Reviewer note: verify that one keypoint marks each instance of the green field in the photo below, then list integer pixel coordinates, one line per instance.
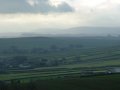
(57, 63)
(105, 82)
(87, 83)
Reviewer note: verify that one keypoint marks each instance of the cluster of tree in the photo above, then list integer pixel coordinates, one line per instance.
(39, 50)
(17, 85)
(25, 62)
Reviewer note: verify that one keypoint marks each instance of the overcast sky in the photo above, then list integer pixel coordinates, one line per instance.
(39, 15)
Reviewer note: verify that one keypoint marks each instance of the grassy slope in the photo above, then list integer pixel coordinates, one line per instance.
(94, 83)
(91, 57)
(110, 82)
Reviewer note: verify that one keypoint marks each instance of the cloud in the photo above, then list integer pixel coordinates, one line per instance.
(40, 22)
(103, 13)
(32, 2)
(31, 15)
(32, 6)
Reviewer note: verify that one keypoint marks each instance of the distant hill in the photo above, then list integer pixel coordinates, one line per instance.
(95, 31)
(71, 32)
(77, 31)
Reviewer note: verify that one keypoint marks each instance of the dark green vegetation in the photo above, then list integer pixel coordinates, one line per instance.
(57, 63)
(30, 53)
(110, 82)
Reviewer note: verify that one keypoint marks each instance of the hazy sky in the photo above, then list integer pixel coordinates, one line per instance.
(38, 15)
